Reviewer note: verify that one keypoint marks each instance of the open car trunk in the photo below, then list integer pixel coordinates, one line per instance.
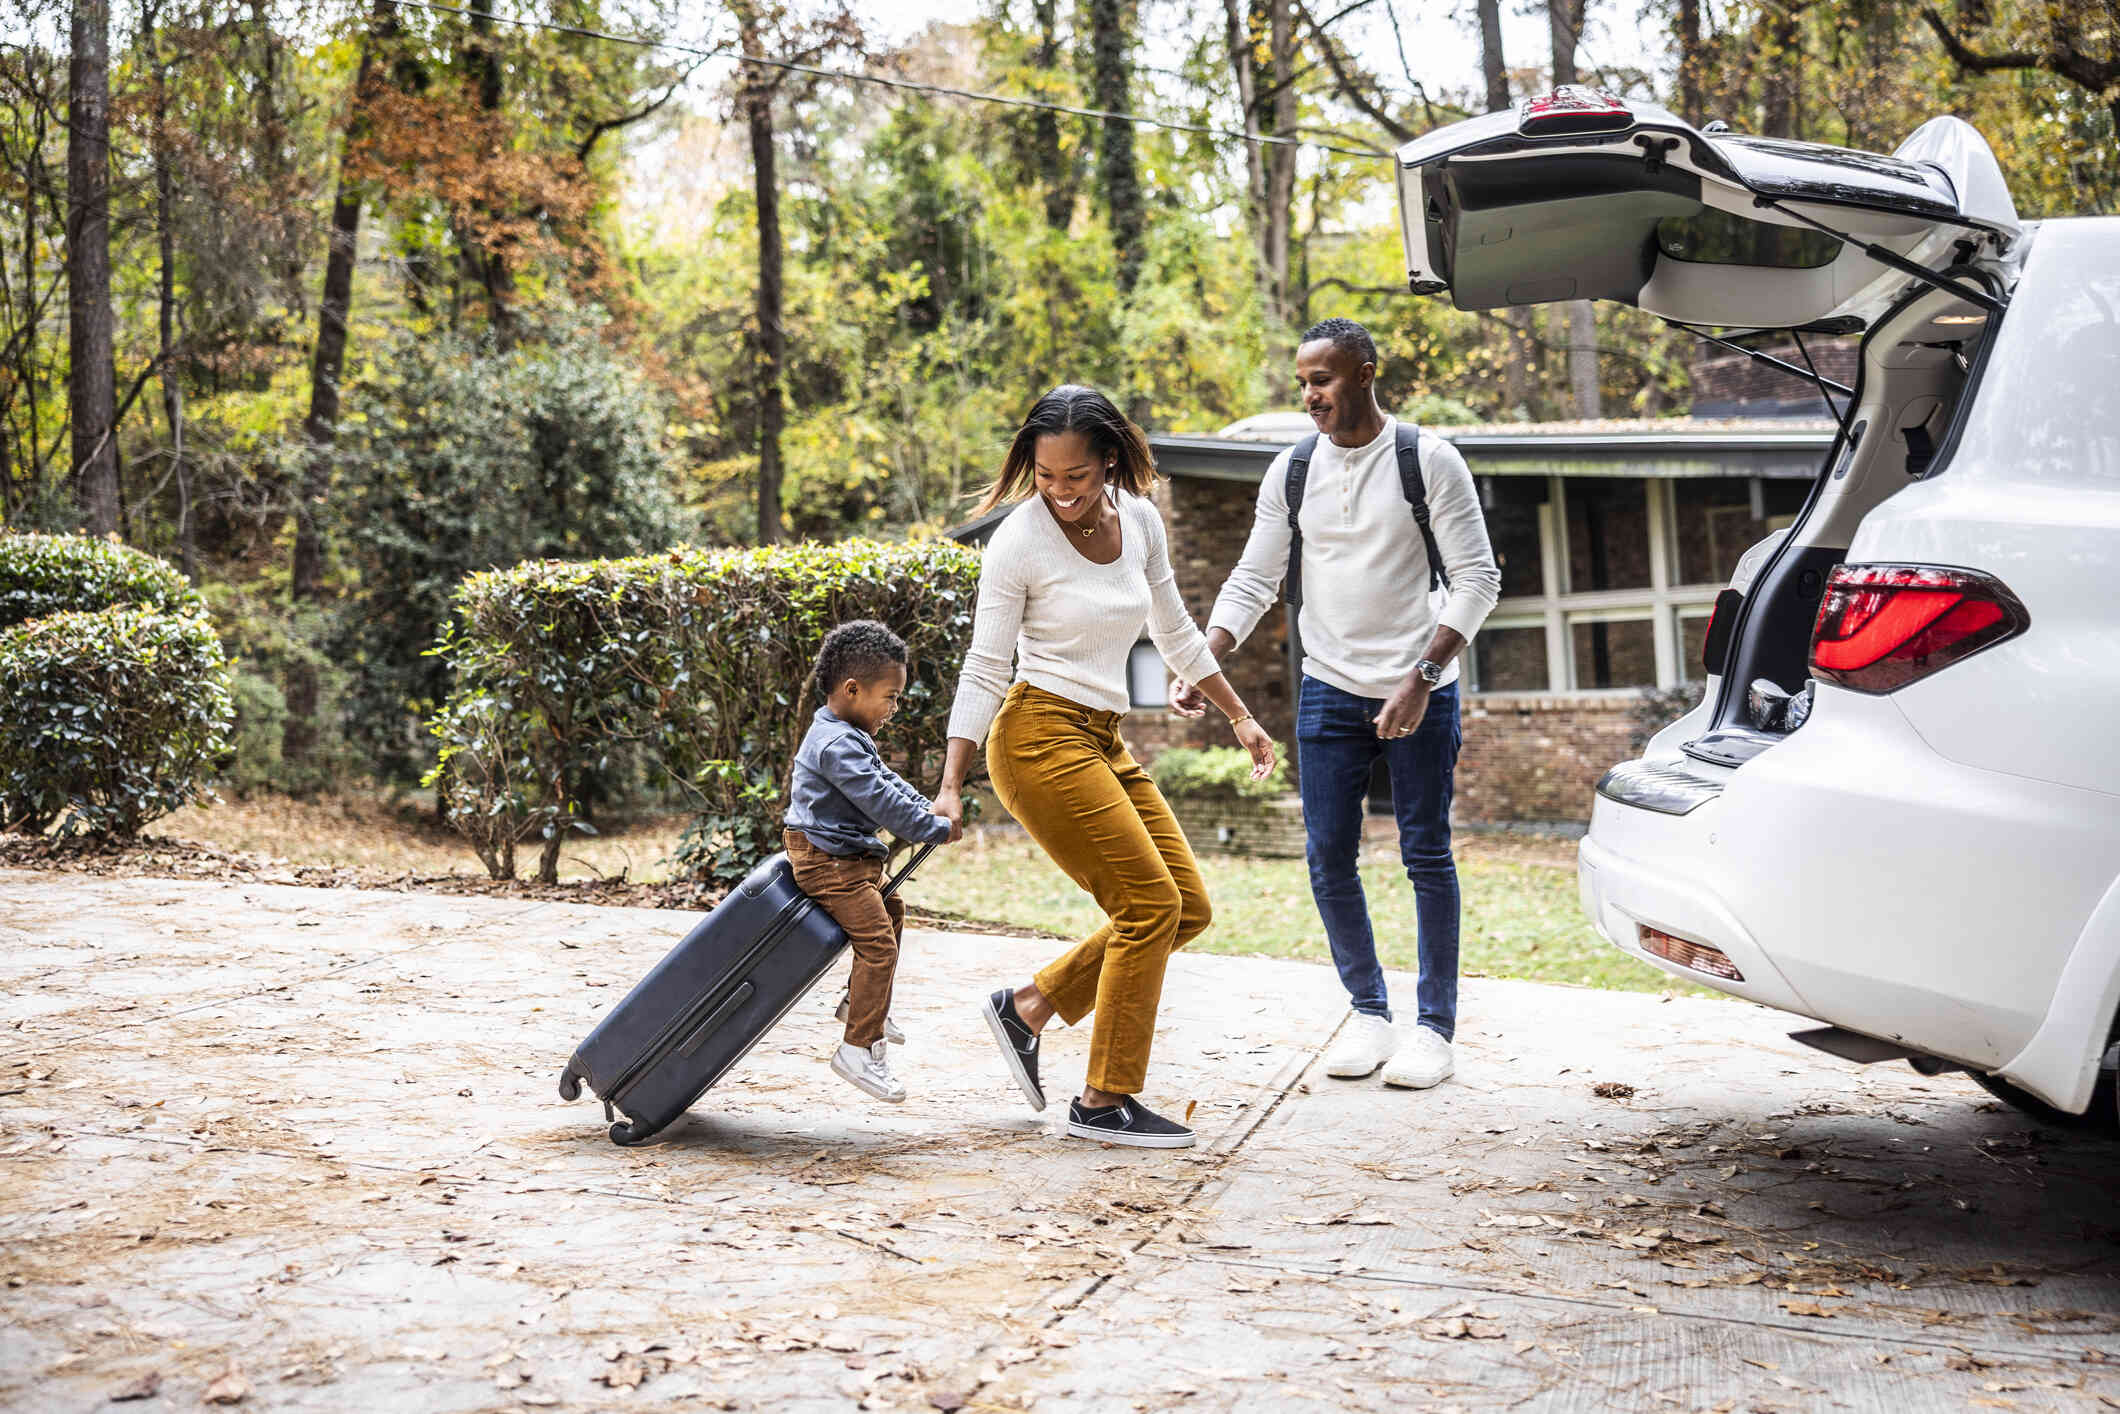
(1581, 196)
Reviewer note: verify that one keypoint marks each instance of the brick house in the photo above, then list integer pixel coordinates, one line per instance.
(1614, 538)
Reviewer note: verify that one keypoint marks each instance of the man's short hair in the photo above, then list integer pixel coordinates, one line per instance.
(1346, 336)
(861, 650)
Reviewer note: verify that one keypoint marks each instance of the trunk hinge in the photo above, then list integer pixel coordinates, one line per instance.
(1892, 258)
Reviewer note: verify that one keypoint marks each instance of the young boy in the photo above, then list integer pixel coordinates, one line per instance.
(841, 793)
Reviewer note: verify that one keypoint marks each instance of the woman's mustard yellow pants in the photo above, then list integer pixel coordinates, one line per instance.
(1061, 770)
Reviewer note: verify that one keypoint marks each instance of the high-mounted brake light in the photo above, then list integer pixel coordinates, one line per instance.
(1574, 108)
(1881, 627)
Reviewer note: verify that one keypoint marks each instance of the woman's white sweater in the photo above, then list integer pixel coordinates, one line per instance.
(1069, 623)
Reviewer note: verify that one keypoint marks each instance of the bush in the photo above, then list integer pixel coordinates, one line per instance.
(697, 661)
(1223, 771)
(108, 719)
(50, 574)
(459, 457)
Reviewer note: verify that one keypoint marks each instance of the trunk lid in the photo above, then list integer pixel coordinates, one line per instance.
(1582, 196)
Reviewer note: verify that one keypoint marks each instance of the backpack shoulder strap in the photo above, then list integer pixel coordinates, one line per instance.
(1298, 473)
(1415, 488)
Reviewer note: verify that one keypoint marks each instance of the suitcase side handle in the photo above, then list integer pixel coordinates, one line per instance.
(906, 871)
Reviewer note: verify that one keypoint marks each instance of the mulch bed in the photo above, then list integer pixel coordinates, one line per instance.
(155, 857)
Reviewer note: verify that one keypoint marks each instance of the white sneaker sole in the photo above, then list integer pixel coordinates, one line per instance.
(1346, 1071)
(867, 1086)
(1131, 1141)
(1426, 1080)
(1008, 1053)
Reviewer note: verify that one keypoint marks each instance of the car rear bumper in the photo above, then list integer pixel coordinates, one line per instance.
(1627, 881)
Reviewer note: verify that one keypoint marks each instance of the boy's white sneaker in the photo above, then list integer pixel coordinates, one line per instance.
(891, 1032)
(1365, 1043)
(869, 1070)
(1425, 1059)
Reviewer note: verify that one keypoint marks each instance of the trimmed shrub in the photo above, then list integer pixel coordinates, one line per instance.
(1217, 771)
(50, 574)
(108, 719)
(698, 661)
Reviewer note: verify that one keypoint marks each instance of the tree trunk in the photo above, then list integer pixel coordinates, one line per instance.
(320, 429)
(1780, 53)
(758, 87)
(486, 263)
(1045, 128)
(165, 311)
(1692, 64)
(1112, 81)
(91, 377)
(1237, 35)
(1492, 65)
(1281, 158)
(1565, 22)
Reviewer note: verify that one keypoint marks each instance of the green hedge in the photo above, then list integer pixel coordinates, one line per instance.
(1223, 771)
(50, 574)
(108, 719)
(699, 661)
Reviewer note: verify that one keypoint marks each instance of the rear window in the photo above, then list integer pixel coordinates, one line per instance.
(1712, 237)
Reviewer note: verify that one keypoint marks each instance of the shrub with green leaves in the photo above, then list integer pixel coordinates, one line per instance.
(50, 574)
(1218, 772)
(108, 719)
(697, 661)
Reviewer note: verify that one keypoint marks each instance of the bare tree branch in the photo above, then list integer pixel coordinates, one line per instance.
(1349, 85)
(583, 148)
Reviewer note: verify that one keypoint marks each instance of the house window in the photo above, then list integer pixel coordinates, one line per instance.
(1608, 533)
(1692, 638)
(1716, 519)
(1147, 680)
(1609, 652)
(1510, 659)
(1512, 505)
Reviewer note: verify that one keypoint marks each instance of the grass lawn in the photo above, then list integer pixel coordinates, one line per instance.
(1520, 910)
(1521, 917)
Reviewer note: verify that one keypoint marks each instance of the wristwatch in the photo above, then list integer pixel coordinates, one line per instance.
(1431, 671)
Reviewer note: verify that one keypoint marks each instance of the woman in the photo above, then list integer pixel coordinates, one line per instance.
(1068, 580)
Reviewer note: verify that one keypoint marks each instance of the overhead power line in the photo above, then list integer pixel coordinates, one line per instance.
(885, 81)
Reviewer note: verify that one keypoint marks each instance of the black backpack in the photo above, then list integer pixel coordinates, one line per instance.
(1410, 482)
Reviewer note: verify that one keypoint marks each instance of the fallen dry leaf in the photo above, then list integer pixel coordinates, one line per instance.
(142, 1388)
(1612, 1090)
(229, 1388)
(948, 1401)
(1807, 1308)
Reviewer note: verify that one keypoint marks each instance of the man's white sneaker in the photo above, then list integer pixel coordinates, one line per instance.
(891, 1032)
(869, 1070)
(1365, 1043)
(1425, 1059)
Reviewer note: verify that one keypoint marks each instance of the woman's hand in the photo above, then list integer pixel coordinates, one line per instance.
(1253, 738)
(949, 804)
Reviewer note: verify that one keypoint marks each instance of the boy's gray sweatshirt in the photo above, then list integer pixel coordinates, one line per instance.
(841, 793)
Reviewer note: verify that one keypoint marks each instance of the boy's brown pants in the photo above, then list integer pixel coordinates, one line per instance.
(850, 888)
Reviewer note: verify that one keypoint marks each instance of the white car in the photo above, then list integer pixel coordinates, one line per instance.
(1897, 810)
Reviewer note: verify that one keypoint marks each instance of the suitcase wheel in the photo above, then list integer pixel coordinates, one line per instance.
(626, 1136)
(570, 1084)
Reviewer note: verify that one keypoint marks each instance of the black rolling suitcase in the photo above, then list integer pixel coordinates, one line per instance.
(701, 1008)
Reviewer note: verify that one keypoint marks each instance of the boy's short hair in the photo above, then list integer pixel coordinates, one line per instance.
(860, 650)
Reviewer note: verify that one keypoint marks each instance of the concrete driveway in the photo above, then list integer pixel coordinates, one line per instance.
(281, 1148)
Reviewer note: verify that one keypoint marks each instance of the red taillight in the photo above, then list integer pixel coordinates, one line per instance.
(1574, 108)
(1881, 627)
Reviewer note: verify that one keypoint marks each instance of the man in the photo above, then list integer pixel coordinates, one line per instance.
(1380, 644)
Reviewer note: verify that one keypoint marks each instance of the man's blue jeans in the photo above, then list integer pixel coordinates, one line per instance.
(1336, 749)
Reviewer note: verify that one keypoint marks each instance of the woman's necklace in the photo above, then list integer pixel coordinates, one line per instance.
(1092, 527)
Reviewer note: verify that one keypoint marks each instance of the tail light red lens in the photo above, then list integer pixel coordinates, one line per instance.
(1574, 108)
(1881, 627)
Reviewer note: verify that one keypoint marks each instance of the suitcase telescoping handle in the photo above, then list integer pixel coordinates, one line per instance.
(919, 855)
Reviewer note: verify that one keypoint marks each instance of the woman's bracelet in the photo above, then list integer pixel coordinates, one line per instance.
(1235, 721)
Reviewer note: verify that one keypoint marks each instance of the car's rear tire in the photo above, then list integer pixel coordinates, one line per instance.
(2102, 1116)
